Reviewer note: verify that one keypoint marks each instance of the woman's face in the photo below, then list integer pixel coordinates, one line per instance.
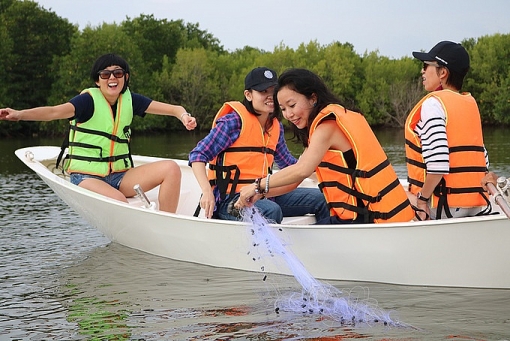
(430, 77)
(111, 82)
(262, 101)
(295, 107)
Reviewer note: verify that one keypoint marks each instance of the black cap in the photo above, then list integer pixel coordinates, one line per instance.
(260, 79)
(449, 54)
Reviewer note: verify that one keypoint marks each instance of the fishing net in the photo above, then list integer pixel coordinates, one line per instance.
(316, 298)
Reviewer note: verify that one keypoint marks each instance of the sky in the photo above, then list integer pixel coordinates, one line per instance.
(394, 28)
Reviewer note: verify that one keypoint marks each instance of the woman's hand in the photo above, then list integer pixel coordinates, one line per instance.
(8, 114)
(207, 203)
(424, 206)
(188, 121)
(247, 197)
(489, 177)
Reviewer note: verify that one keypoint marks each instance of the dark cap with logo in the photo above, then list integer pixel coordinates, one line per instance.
(260, 79)
(451, 55)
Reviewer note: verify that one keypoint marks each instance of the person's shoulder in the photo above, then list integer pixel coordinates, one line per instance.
(82, 98)
(431, 100)
(139, 97)
(327, 125)
(231, 117)
(432, 107)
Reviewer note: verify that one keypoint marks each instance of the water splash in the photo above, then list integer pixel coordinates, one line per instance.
(316, 297)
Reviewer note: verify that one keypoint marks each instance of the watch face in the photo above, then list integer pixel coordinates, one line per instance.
(421, 197)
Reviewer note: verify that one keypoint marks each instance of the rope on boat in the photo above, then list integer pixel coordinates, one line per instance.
(316, 298)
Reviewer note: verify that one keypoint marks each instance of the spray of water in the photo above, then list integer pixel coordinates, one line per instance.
(316, 297)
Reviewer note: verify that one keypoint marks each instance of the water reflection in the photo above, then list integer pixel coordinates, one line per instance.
(134, 295)
(39, 236)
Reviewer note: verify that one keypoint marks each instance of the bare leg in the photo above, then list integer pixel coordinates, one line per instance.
(101, 187)
(166, 174)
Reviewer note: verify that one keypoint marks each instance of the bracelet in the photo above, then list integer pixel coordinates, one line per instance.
(257, 186)
(186, 113)
(267, 184)
(421, 197)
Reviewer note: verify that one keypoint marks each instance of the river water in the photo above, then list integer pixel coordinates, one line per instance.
(60, 279)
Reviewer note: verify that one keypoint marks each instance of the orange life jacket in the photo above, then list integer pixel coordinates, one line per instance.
(374, 180)
(248, 158)
(461, 186)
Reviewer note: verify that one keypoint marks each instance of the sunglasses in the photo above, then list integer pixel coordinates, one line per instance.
(117, 73)
(426, 65)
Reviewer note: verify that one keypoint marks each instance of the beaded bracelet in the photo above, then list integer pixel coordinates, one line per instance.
(267, 184)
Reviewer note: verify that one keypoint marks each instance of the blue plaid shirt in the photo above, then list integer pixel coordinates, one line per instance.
(224, 134)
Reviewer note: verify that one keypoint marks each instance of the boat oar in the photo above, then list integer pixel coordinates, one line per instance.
(499, 199)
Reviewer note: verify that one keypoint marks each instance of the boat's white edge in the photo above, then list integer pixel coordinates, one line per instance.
(42, 153)
(454, 232)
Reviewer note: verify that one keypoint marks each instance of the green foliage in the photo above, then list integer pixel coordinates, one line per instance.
(196, 38)
(341, 69)
(73, 70)
(489, 78)
(177, 62)
(39, 36)
(156, 38)
(5, 61)
(4, 4)
(390, 89)
(191, 83)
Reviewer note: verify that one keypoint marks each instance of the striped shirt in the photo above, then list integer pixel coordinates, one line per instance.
(432, 132)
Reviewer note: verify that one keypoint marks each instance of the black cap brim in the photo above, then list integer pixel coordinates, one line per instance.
(263, 86)
(423, 56)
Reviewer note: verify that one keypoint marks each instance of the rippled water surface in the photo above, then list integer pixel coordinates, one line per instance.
(60, 279)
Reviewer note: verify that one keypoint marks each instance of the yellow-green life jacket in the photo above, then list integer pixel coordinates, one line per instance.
(100, 146)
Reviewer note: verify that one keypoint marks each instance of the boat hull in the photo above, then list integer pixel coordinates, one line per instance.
(465, 252)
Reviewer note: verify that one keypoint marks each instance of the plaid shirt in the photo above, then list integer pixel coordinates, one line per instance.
(224, 134)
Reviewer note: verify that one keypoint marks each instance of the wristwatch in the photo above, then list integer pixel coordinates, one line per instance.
(421, 197)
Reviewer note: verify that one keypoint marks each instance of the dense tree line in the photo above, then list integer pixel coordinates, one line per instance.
(45, 60)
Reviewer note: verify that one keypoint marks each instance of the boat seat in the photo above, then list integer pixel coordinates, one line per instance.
(299, 220)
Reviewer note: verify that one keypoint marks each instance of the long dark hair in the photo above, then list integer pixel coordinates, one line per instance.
(306, 83)
(107, 60)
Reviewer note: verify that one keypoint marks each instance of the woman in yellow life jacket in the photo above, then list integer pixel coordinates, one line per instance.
(244, 142)
(355, 176)
(98, 157)
(445, 154)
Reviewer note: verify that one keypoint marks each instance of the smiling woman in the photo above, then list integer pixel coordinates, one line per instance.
(245, 140)
(99, 156)
(355, 176)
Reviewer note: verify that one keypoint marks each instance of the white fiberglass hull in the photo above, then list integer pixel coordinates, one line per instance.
(466, 252)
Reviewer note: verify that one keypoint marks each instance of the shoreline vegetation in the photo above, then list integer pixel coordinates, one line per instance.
(46, 61)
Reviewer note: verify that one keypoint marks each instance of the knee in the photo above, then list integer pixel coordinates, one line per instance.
(171, 168)
(274, 214)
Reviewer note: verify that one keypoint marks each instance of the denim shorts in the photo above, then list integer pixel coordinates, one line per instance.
(112, 179)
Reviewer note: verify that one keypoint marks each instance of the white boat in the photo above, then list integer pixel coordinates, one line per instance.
(466, 252)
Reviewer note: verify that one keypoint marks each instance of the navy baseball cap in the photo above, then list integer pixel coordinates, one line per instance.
(260, 79)
(451, 55)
